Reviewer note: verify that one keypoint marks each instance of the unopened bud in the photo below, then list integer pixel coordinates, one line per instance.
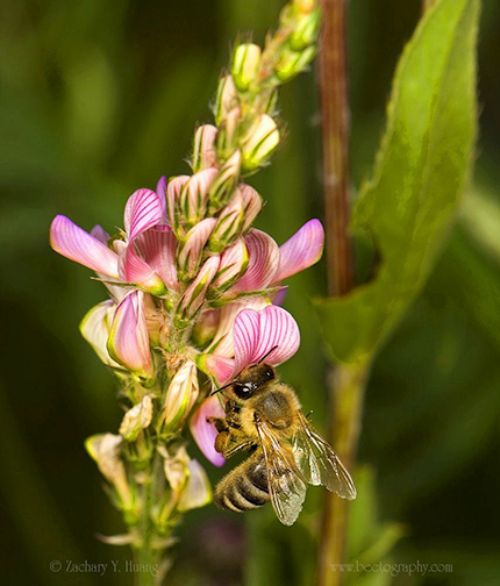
(193, 197)
(225, 183)
(226, 99)
(105, 450)
(246, 65)
(173, 208)
(292, 63)
(233, 264)
(205, 327)
(137, 419)
(229, 223)
(305, 6)
(204, 151)
(252, 204)
(180, 397)
(259, 143)
(305, 31)
(228, 135)
(190, 253)
(195, 294)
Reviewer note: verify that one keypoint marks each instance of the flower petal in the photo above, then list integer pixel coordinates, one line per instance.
(277, 328)
(189, 257)
(95, 327)
(173, 193)
(134, 269)
(74, 243)
(100, 234)
(246, 336)
(220, 367)
(301, 251)
(161, 191)
(204, 431)
(144, 210)
(222, 344)
(263, 260)
(128, 341)
(158, 247)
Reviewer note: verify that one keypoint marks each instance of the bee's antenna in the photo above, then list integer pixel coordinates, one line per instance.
(261, 360)
(221, 389)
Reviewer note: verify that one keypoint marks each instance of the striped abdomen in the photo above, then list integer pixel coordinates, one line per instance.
(245, 487)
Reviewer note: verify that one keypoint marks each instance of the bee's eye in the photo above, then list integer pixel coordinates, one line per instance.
(243, 391)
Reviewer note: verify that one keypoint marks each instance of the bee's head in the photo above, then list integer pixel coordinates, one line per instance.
(252, 380)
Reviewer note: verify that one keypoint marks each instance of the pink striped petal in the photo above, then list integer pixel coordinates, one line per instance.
(173, 192)
(204, 432)
(74, 243)
(222, 344)
(158, 247)
(263, 260)
(143, 211)
(220, 367)
(276, 328)
(100, 234)
(246, 334)
(128, 341)
(161, 191)
(135, 270)
(301, 251)
(189, 256)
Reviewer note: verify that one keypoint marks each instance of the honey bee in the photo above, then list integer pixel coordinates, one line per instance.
(264, 416)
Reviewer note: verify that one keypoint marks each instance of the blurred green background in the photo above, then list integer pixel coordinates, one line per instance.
(99, 98)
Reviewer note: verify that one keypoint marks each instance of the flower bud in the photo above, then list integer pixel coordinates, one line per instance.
(252, 204)
(233, 264)
(190, 253)
(204, 151)
(105, 450)
(225, 183)
(193, 197)
(174, 188)
(293, 62)
(304, 6)
(195, 294)
(180, 397)
(226, 99)
(128, 341)
(205, 327)
(259, 143)
(305, 31)
(229, 223)
(228, 135)
(245, 66)
(137, 419)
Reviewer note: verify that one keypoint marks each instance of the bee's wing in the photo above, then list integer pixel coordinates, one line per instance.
(319, 464)
(286, 486)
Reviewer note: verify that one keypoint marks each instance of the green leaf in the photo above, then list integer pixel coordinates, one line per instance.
(420, 171)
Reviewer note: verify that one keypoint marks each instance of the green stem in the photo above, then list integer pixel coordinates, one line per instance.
(347, 386)
(146, 556)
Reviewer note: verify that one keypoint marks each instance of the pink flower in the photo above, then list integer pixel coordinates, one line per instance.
(254, 335)
(271, 333)
(128, 341)
(269, 265)
(203, 430)
(145, 258)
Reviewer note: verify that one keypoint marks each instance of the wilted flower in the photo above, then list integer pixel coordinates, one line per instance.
(136, 419)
